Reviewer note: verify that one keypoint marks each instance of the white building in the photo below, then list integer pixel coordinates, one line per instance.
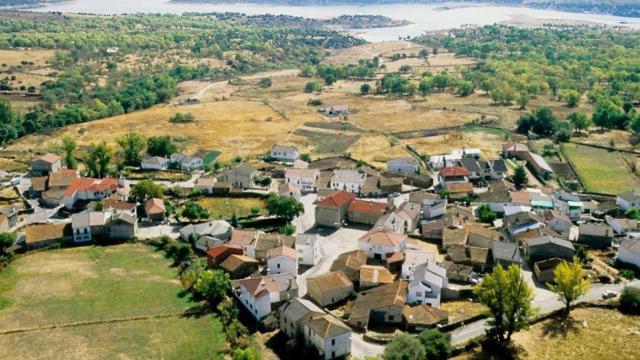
(258, 295)
(436, 162)
(380, 243)
(308, 248)
(155, 163)
(413, 259)
(187, 163)
(282, 260)
(629, 199)
(623, 226)
(404, 165)
(328, 335)
(87, 224)
(348, 180)
(433, 208)
(89, 189)
(629, 252)
(284, 153)
(304, 178)
(426, 286)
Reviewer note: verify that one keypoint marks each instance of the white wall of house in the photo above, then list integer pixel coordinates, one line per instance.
(419, 293)
(379, 250)
(308, 254)
(626, 256)
(353, 187)
(560, 226)
(407, 270)
(258, 307)
(305, 183)
(249, 250)
(81, 234)
(626, 205)
(291, 155)
(332, 347)
(282, 265)
(155, 166)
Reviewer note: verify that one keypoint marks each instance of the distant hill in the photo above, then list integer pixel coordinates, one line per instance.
(627, 8)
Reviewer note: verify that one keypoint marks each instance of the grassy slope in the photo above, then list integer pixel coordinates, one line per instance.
(90, 284)
(601, 171)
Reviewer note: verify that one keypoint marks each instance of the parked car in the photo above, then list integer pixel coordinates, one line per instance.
(609, 294)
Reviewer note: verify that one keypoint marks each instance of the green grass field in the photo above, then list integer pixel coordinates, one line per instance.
(94, 286)
(224, 208)
(601, 171)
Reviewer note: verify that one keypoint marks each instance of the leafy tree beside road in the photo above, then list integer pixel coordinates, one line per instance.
(570, 283)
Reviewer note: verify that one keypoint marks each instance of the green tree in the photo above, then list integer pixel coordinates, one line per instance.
(131, 146)
(97, 159)
(571, 97)
(286, 208)
(287, 229)
(579, 120)
(265, 83)
(485, 214)
(312, 86)
(423, 53)
(69, 147)
(523, 99)
(630, 300)
(161, 146)
(194, 211)
(365, 89)
(436, 344)
(606, 114)
(404, 347)
(633, 214)
(465, 88)
(6, 241)
(520, 178)
(180, 118)
(424, 87)
(508, 297)
(245, 354)
(146, 189)
(570, 283)
(213, 286)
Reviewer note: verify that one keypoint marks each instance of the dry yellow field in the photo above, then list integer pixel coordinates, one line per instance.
(489, 143)
(15, 57)
(369, 51)
(462, 309)
(377, 150)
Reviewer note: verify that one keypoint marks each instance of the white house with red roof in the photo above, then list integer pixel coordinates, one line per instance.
(89, 189)
(332, 210)
(453, 175)
(282, 260)
(380, 243)
(260, 295)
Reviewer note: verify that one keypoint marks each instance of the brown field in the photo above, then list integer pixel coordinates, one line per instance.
(369, 51)
(595, 334)
(462, 309)
(377, 150)
(489, 142)
(37, 57)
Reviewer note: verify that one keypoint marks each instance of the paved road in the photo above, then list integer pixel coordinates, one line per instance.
(545, 304)
(360, 348)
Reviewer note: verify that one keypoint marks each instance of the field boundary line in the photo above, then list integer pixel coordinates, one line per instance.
(90, 322)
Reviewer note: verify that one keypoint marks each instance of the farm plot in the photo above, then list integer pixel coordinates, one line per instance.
(224, 208)
(599, 170)
(105, 302)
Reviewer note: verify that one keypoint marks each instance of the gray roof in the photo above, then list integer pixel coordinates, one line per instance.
(403, 161)
(217, 228)
(470, 164)
(297, 308)
(545, 240)
(88, 219)
(348, 176)
(125, 218)
(306, 239)
(601, 230)
(633, 245)
(157, 160)
(243, 169)
(429, 272)
(499, 166)
(283, 148)
(506, 251)
(630, 195)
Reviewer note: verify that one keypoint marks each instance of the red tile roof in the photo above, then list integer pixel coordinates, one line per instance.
(454, 171)
(90, 184)
(383, 237)
(282, 251)
(369, 207)
(220, 252)
(337, 199)
(154, 206)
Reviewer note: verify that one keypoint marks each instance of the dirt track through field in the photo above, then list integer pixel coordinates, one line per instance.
(88, 323)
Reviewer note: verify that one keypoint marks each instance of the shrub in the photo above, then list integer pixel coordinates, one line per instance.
(630, 300)
(179, 118)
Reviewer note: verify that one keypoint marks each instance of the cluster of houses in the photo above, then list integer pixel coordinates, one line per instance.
(389, 280)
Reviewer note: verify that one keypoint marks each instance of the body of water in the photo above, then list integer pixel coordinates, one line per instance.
(423, 17)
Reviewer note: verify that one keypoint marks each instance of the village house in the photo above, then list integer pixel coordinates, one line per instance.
(89, 225)
(548, 247)
(38, 236)
(284, 153)
(455, 236)
(623, 226)
(373, 275)
(426, 286)
(308, 249)
(521, 222)
(114, 204)
(629, 252)
(389, 184)
(256, 244)
(332, 210)
(404, 165)
(379, 243)
(412, 259)
(515, 150)
(481, 236)
(292, 315)
(543, 270)
(380, 305)
(459, 191)
(204, 243)
(205, 185)
(452, 175)
(187, 163)
(155, 210)
(217, 254)
(558, 222)
(261, 295)
(122, 226)
(328, 336)
(434, 229)
(497, 197)
(329, 288)
(596, 236)
(241, 176)
(303, 178)
(239, 266)
(476, 257)
(46, 164)
(629, 199)
(300, 164)
(348, 180)
(157, 163)
(282, 260)
(87, 189)
(539, 165)
(335, 110)
(506, 253)
(289, 190)
(437, 162)
(365, 211)
(433, 208)
(350, 263)
(218, 229)
(422, 317)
